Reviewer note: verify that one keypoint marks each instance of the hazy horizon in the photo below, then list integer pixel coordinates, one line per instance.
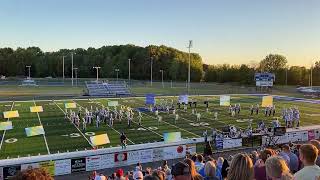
(233, 32)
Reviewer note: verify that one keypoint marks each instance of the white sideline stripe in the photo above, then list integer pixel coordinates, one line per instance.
(4, 133)
(75, 125)
(134, 122)
(109, 126)
(139, 97)
(169, 123)
(44, 136)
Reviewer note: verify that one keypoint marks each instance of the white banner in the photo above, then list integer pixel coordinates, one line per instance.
(107, 161)
(231, 143)
(62, 167)
(29, 166)
(93, 163)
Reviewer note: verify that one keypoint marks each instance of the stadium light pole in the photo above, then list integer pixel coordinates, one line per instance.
(286, 76)
(72, 68)
(162, 78)
(76, 73)
(151, 62)
(129, 60)
(97, 70)
(63, 67)
(117, 70)
(311, 75)
(29, 66)
(189, 47)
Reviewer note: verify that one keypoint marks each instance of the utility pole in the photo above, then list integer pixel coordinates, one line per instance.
(162, 78)
(129, 78)
(311, 69)
(72, 68)
(76, 73)
(189, 47)
(63, 68)
(151, 70)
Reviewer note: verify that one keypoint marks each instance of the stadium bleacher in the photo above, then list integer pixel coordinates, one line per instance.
(107, 89)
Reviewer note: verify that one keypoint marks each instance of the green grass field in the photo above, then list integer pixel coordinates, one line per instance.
(62, 136)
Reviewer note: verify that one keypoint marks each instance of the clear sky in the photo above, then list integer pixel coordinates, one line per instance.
(224, 31)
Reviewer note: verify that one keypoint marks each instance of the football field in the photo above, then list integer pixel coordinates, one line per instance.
(63, 136)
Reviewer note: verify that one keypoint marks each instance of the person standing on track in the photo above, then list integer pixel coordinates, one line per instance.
(123, 141)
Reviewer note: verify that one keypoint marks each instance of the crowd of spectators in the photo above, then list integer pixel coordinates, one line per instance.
(291, 162)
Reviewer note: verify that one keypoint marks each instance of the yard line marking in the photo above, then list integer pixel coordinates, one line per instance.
(170, 123)
(44, 136)
(133, 121)
(4, 132)
(109, 126)
(75, 125)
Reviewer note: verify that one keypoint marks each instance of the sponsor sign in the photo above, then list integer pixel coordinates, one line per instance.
(62, 167)
(78, 165)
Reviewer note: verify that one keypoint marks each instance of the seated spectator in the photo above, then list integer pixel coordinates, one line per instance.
(210, 171)
(255, 156)
(259, 167)
(33, 174)
(159, 174)
(308, 156)
(148, 171)
(199, 162)
(194, 174)
(316, 143)
(181, 171)
(224, 169)
(241, 168)
(137, 175)
(294, 161)
(119, 175)
(277, 169)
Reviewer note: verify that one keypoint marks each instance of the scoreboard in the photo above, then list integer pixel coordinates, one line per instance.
(264, 79)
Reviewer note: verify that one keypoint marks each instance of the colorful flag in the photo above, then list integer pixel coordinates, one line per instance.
(113, 103)
(150, 99)
(10, 114)
(5, 125)
(172, 137)
(100, 139)
(34, 131)
(183, 99)
(36, 109)
(70, 105)
(225, 100)
(267, 101)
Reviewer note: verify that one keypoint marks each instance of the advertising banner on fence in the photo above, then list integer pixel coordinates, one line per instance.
(93, 163)
(78, 164)
(224, 100)
(1, 173)
(49, 166)
(29, 166)
(62, 167)
(10, 171)
(231, 143)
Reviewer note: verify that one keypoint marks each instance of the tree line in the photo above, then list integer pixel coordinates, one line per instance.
(173, 62)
